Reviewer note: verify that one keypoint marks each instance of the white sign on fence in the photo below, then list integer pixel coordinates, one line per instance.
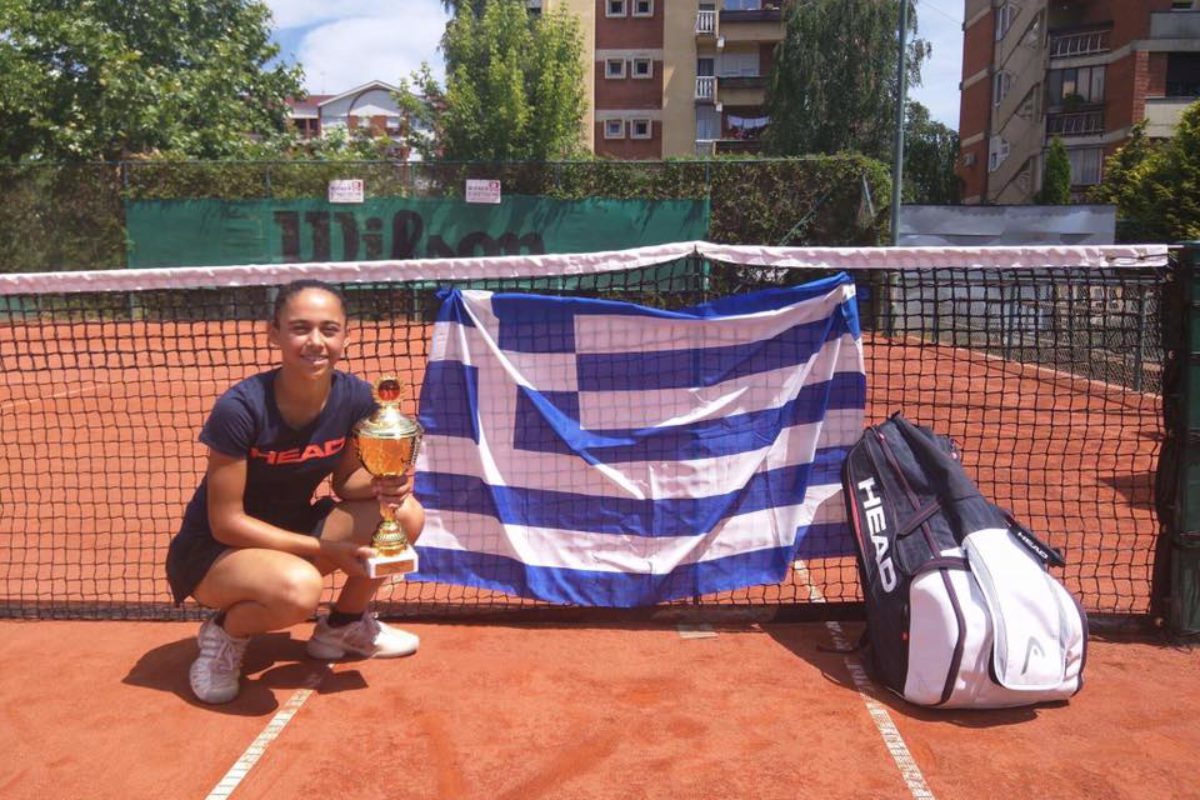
(483, 191)
(348, 191)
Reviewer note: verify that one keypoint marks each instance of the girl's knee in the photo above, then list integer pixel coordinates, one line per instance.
(296, 592)
(411, 516)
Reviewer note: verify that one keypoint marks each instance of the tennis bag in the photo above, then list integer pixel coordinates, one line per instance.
(961, 610)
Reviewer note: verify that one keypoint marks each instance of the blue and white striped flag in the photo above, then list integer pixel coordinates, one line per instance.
(603, 453)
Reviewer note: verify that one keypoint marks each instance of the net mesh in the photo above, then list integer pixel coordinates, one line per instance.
(1049, 380)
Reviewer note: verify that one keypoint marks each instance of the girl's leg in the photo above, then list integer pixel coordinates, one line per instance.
(356, 521)
(260, 590)
(256, 590)
(350, 629)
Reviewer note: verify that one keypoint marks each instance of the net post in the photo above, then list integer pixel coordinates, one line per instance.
(1181, 451)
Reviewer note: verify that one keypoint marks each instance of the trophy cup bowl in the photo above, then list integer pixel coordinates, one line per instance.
(387, 443)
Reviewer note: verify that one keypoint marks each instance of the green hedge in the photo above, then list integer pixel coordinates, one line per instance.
(71, 217)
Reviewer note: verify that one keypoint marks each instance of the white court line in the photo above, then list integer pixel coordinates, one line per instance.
(241, 768)
(700, 631)
(879, 715)
(87, 388)
(1070, 377)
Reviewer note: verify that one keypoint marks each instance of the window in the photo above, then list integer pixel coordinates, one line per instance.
(1004, 19)
(1029, 106)
(1082, 85)
(1033, 35)
(708, 123)
(614, 129)
(997, 152)
(1183, 74)
(614, 8)
(1085, 165)
(735, 65)
(1001, 83)
(643, 67)
(704, 67)
(643, 8)
(614, 68)
(743, 5)
(640, 129)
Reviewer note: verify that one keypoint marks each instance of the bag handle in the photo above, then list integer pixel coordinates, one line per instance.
(1044, 552)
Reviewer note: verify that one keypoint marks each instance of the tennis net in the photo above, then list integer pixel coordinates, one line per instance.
(1044, 364)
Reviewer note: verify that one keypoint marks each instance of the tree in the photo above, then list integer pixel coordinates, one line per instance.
(1056, 180)
(930, 152)
(1157, 186)
(514, 87)
(107, 79)
(1125, 177)
(834, 85)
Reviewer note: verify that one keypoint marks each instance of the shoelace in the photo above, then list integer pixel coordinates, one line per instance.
(228, 655)
(231, 657)
(365, 632)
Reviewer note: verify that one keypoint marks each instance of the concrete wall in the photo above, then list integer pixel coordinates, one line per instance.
(679, 78)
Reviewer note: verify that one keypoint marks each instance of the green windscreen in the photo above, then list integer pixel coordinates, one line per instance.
(169, 233)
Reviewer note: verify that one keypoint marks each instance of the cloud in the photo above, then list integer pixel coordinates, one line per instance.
(346, 44)
(304, 13)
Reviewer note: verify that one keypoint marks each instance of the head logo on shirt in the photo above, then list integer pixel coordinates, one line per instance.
(297, 455)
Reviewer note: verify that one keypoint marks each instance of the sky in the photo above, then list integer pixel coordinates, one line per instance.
(345, 44)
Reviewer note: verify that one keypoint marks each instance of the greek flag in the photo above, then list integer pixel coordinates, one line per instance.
(603, 453)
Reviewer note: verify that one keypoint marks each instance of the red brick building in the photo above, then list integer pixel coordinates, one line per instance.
(674, 77)
(1084, 71)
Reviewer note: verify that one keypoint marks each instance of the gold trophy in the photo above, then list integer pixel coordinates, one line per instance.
(387, 443)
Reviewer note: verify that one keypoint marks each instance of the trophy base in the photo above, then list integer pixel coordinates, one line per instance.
(399, 563)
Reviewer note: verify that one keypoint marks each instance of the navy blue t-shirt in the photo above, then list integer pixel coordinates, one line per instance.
(285, 464)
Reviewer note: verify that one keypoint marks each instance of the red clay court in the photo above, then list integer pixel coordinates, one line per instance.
(723, 697)
(520, 712)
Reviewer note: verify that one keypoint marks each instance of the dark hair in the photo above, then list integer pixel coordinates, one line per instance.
(290, 290)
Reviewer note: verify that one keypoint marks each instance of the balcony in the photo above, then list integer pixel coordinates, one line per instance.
(1175, 25)
(1163, 113)
(738, 146)
(706, 23)
(706, 88)
(707, 148)
(751, 11)
(1079, 43)
(1075, 123)
(742, 90)
(751, 21)
(743, 82)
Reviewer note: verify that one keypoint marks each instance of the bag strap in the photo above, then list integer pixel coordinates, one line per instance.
(920, 518)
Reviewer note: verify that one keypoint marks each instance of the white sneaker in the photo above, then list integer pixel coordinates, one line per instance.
(366, 636)
(214, 675)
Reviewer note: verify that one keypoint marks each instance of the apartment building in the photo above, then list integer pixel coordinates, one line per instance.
(1084, 71)
(675, 77)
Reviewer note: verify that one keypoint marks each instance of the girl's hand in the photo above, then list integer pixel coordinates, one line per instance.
(347, 556)
(393, 490)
